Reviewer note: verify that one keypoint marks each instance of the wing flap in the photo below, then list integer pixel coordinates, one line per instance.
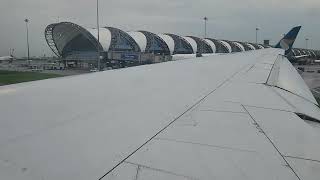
(305, 169)
(290, 134)
(283, 75)
(205, 144)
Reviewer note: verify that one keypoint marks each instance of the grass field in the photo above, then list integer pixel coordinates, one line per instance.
(13, 77)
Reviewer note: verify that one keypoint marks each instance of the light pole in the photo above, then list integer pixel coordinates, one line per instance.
(257, 29)
(98, 30)
(307, 39)
(205, 26)
(205, 34)
(28, 48)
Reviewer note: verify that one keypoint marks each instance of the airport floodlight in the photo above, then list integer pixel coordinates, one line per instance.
(307, 39)
(98, 31)
(257, 29)
(205, 26)
(27, 31)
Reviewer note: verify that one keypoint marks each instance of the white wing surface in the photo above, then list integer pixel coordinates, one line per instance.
(218, 117)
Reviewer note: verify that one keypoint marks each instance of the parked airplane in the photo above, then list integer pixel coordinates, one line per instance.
(6, 58)
(243, 116)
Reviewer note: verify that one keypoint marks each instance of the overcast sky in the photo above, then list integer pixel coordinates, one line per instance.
(228, 19)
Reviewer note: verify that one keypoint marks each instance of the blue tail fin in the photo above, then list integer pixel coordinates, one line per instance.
(287, 41)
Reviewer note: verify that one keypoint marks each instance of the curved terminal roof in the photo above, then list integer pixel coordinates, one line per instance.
(169, 41)
(122, 41)
(67, 38)
(104, 39)
(311, 53)
(240, 46)
(304, 52)
(227, 45)
(295, 52)
(251, 46)
(299, 52)
(245, 46)
(318, 54)
(181, 46)
(211, 44)
(140, 39)
(220, 47)
(203, 46)
(260, 46)
(64, 38)
(234, 46)
(155, 44)
(255, 46)
(193, 43)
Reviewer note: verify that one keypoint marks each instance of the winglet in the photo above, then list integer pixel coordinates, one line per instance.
(287, 41)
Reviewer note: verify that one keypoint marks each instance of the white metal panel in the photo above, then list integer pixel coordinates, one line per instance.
(11, 171)
(227, 45)
(211, 44)
(129, 170)
(264, 66)
(169, 41)
(193, 43)
(254, 75)
(251, 94)
(306, 170)
(205, 126)
(290, 134)
(300, 104)
(211, 105)
(104, 37)
(196, 161)
(125, 171)
(140, 39)
(201, 162)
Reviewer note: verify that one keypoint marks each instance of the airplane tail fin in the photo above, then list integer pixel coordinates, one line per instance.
(287, 41)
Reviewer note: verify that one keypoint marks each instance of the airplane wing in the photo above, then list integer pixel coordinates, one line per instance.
(238, 116)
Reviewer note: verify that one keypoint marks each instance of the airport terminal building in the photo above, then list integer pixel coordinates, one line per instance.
(78, 46)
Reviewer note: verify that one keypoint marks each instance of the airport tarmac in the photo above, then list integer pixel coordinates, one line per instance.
(21, 66)
(311, 75)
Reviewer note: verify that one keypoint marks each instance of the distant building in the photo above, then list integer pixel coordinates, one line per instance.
(78, 46)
